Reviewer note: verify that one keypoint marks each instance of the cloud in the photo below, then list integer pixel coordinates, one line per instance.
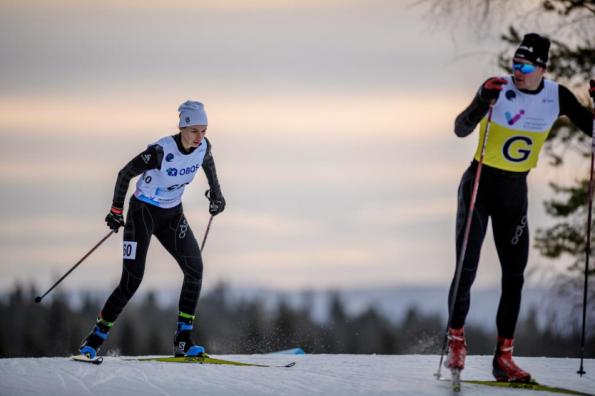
(24, 170)
(296, 116)
(263, 223)
(46, 226)
(309, 260)
(331, 122)
(178, 6)
(404, 212)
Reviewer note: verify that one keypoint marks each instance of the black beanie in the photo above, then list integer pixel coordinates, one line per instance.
(535, 49)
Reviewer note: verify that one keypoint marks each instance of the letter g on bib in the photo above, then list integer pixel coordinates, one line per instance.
(517, 152)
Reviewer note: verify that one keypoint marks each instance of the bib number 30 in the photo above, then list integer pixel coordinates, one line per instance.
(129, 250)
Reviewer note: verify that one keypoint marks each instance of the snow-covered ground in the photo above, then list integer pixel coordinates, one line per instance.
(343, 375)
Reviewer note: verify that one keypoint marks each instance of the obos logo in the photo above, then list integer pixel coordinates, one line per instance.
(510, 95)
(169, 157)
(183, 171)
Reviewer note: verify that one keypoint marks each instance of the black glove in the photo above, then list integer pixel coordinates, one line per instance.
(217, 202)
(114, 219)
(592, 90)
(491, 89)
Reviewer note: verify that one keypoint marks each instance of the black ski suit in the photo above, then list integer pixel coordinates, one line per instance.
(515, 137)
(170, 227)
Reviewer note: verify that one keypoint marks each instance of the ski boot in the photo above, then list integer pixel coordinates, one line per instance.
(504, 368)
(457, 349)
(183, 344)
(94, 340)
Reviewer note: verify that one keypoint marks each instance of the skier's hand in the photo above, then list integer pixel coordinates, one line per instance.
(114, 219)
(592, 90)
(216, 201)
(491, 89)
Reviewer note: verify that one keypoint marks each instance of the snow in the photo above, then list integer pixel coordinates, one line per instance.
(343, 375)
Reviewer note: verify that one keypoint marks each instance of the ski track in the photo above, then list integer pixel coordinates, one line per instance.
(62, 381)
(147, 380)
(76, 380)
(345, 375)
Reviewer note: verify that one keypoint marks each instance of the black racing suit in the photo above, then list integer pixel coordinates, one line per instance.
(501, 196)
(170, 227)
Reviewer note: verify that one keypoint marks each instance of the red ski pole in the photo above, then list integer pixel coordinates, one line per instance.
(466, 236)
(206, 233)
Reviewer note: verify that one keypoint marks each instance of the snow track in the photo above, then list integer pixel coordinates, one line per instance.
(312, 375)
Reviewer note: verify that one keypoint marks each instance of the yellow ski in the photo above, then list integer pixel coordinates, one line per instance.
(203, 360)
(533, 385)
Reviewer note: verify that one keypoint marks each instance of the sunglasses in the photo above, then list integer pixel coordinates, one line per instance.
(524, 68)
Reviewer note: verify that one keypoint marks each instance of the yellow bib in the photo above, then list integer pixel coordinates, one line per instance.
(520, 125)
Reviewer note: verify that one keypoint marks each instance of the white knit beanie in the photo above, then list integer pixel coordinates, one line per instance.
(192, 113)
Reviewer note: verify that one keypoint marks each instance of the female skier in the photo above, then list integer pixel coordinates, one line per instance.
(525, 109)
(167, 166)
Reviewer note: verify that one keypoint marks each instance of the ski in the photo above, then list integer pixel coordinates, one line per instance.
(85, 359)
(203, 360)
(456, 379)
(533, 385)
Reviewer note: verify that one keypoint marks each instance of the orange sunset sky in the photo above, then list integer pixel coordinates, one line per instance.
(331, 123)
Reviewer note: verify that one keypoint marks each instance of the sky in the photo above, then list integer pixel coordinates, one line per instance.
(331, 124)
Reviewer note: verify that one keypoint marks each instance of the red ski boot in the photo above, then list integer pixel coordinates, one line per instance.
(504, 368)
(457, 349)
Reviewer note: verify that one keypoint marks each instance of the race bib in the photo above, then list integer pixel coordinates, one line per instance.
(129, 250)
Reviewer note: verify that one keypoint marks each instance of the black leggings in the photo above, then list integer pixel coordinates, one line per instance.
(502, 196)
(171, 229)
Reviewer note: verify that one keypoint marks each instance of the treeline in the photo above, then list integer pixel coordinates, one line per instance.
(54, 328)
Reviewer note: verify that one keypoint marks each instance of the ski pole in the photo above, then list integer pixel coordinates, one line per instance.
(581, 371)
(465, 237)
(206, 233)
(208, 195)
(38, 299)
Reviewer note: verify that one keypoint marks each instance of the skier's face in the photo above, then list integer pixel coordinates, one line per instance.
(192, 136)
(528, 81)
